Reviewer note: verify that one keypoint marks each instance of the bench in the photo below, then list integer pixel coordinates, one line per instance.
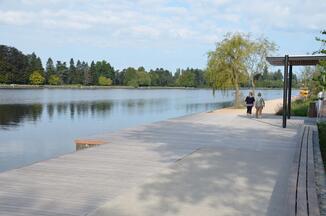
(302, 196)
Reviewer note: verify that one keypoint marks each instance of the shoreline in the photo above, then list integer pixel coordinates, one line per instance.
(25, 86)
(22, 86)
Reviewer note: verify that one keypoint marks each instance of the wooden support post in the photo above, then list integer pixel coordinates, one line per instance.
(286, 65)
(290, 92)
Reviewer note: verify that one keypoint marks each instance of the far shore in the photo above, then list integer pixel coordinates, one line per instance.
(24, 86)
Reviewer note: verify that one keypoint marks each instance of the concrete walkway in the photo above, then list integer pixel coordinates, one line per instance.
(218, 163)
(239, 166)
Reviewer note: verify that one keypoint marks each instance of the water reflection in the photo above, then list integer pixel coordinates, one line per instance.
(194, 107)
(12, 115)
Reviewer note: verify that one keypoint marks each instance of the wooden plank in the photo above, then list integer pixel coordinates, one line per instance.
(292, 189)
(299, 141)
(293, 177)
(302, 209)
(311, 185)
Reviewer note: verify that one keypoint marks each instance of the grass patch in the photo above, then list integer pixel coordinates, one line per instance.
(322, 140)
(299, 107)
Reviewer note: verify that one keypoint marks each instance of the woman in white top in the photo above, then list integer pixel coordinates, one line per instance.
(259, 105)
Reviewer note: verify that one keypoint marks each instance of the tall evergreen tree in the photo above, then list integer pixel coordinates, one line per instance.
(35, 63)
(62, 71)
(104, 68)
(92, 71)
(49, 69)
(79, 72)
(86, 73)
(73, 77)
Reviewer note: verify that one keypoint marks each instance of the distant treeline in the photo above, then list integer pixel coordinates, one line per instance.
(18, 68)
(273, 79)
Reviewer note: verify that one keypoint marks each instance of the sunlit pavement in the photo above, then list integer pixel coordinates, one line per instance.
(237, 166)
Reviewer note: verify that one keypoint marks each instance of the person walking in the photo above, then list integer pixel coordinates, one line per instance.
(259, 105)
(250, 100)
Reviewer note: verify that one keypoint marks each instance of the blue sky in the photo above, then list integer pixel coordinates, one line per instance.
(154, 33)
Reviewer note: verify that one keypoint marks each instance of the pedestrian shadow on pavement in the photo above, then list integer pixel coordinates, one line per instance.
(275, 120)
(228, 175)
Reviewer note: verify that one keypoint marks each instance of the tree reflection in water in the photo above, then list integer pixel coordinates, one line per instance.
(79, 108)
(12, 115)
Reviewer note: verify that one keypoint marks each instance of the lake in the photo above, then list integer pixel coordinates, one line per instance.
(38, 124)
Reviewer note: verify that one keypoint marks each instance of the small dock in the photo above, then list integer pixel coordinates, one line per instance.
(195, 165)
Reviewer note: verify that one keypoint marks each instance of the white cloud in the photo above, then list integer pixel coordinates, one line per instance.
(16, 17)
(201, 21)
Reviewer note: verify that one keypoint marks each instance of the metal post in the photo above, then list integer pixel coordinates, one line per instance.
(290, 92)
(286, 64)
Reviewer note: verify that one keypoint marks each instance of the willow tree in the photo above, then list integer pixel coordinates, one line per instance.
(256, 62)
(227, 67)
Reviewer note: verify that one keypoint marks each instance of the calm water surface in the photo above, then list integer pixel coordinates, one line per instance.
(37, 124)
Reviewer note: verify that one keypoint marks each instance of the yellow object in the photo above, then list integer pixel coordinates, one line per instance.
(304, 92)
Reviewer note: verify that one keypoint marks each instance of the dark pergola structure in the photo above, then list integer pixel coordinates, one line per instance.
(288, 62)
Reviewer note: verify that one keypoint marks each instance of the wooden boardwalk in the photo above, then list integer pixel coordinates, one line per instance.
(78, 183)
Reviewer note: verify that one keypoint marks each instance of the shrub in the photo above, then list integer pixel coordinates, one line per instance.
(103, 81)
(298, 108)
(322, 139)
(36, 78)
(54, 80)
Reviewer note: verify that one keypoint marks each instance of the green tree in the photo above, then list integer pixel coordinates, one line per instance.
(227, 66)
(72, 74)
(265, 75)
(119, 78)
(103, 81)
(256, 61)
(104, 68)
(79, 73)
(321, 68)
(187, 79)
(36, 78)
(176, 76)
(63, 72)
(161, 77)
(14, 66)
(198, 80)
(307, 74)
(130, 77)
(278, 75)
(54, 80)
(92, 72)
(34, 63)
(143, 78)
(49, 69)
(86, 73)
(322, 49)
